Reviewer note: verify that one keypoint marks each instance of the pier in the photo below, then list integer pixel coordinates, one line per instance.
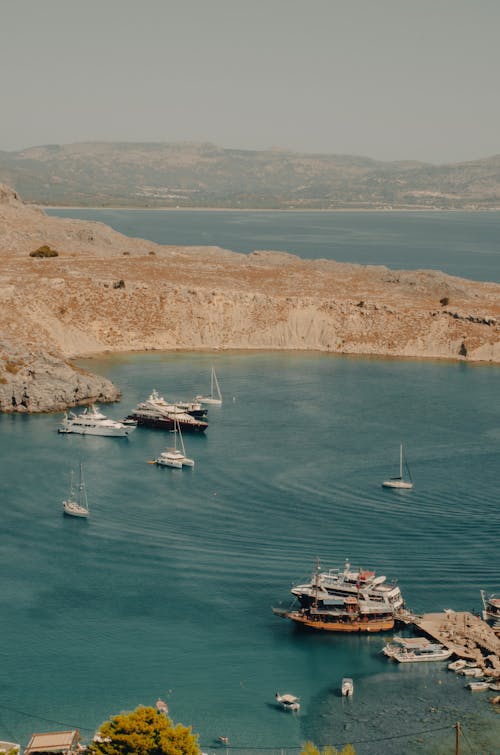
(468, 636)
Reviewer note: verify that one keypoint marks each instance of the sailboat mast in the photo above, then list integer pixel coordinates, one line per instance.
(82, 497)
(401, 461)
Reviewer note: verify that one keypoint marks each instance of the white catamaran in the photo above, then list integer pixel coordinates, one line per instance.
(399, 482)
(176, 456)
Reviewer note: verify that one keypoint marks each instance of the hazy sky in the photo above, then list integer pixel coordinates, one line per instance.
(390, 79)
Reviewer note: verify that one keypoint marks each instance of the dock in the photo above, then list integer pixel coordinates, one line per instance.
(466, 635)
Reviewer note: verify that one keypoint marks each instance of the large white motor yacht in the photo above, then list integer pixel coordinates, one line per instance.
(92, 422)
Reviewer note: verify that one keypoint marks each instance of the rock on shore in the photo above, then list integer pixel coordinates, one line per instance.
(104, 292)
(38, 382)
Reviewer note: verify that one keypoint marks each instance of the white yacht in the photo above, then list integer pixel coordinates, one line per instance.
(361, 584)
(92, 422)
(157, 412)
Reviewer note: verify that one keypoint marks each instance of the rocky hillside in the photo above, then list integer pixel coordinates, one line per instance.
(203, 175)
(103, 292)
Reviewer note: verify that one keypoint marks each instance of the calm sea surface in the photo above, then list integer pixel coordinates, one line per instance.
(466, 244)
(167, 589)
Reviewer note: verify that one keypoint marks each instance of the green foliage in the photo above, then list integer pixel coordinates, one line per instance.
(44, 251)
(310, 749)
(144, 731)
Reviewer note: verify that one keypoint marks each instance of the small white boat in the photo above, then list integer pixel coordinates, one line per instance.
(399, 483)
(77, 505)
(347, 687)
(457, 665)
(471, 671)
(402, 644)
(288, 702)
(215, 393)
(175, 457)
(161, 706)
(478, 686)
(423, 655)
(93, 422)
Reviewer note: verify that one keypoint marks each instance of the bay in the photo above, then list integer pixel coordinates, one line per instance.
(465, 244)
(167, 589)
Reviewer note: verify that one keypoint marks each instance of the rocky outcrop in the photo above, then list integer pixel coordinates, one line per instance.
(105, 292)
(40, 382)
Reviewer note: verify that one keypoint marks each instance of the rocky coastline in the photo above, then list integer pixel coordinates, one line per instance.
(103, 292)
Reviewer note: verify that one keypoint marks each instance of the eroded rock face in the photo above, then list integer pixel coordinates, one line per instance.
(39, 382)
(105, 292)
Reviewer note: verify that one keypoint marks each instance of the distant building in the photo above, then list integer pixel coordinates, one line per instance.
(55, 742)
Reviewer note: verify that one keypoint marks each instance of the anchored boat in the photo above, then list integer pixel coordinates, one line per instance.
(432, 652)
(288, 702)
(399, 483)
(93, 422)
(347, 688)
(361, 584)
(76, 503)
(156, 412)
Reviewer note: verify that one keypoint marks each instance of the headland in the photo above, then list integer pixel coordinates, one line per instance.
(103, 292)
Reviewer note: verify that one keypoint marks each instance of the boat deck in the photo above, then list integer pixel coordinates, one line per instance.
(468, 636)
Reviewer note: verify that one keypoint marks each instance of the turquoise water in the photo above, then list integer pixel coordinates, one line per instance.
(167, 589)
(465, 244)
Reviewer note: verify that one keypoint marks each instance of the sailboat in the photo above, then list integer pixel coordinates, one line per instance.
(398, 482)
(215, 394)
(77, 505)
(175, 457)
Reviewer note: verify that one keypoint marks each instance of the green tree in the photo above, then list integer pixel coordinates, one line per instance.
(144, 732)
(310, 749)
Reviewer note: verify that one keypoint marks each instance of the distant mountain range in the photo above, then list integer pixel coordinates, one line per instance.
(203, 175)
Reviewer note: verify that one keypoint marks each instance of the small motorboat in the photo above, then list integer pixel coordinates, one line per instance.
(478, 686)
(288, 702)
(162, 707)
(347, 688)
(457, 665)
(471, 671)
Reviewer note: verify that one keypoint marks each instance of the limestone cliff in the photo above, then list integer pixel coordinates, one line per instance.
(106, 292)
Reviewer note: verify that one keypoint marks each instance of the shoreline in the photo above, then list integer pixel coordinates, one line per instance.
(387, 210)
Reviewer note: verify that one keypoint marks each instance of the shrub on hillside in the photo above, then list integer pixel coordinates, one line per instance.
(44, 251)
